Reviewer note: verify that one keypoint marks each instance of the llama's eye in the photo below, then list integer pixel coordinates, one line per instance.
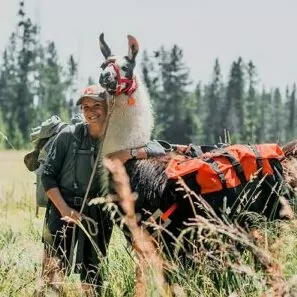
(125, 68)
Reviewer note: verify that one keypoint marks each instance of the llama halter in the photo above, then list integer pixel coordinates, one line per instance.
(131, 84)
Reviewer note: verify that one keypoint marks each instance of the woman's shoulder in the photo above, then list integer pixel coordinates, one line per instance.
(69, 133)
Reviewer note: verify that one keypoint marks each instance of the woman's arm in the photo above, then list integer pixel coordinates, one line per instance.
(152, 149)
(52, 169)
(125, 155)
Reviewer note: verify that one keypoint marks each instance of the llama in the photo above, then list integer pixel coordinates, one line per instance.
(130, 126)
(131, 120)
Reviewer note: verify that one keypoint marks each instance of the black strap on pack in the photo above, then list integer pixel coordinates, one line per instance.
(195, 150)
(220, 174)
(259, 161)
(235, 163)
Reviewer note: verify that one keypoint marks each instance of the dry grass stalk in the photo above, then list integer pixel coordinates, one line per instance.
(52, 276)
(275, 278)
(149, 258)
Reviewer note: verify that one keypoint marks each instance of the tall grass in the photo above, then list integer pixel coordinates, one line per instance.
(229, 271)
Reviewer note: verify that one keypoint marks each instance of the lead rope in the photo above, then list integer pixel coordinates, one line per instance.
(89, 220)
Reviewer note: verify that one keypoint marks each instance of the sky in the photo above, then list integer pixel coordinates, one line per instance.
(263, 31)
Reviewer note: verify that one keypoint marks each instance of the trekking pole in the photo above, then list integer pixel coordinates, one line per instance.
(91, 178)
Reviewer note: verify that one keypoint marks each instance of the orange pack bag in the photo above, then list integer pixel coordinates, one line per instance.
(229, 167)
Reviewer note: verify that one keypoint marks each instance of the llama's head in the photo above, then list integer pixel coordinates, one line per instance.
(117, 72)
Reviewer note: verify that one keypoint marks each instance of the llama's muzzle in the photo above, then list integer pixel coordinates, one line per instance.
(108, 81)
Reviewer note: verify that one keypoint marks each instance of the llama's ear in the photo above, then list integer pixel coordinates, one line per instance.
(133, 47)
(104, 47)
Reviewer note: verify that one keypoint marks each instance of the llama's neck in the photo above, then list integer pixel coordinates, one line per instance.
(129, 125)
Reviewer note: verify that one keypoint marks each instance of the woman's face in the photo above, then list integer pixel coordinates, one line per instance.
(94, 111)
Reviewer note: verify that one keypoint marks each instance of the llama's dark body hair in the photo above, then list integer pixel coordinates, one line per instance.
(290, 163)
(290, 148)
(155, 191)
(149, 180)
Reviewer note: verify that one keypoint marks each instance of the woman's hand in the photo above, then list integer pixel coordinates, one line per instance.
(70, 215)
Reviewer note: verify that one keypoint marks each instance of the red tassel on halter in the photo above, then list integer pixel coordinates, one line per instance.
(130, 91)
(131, 101)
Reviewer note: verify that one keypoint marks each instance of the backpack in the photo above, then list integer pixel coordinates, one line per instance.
(42, 137)
(229, 171)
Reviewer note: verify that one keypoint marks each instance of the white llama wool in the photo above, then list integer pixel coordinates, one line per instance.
(131, 123)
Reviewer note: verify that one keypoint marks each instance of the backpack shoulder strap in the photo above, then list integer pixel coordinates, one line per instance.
(78, 131)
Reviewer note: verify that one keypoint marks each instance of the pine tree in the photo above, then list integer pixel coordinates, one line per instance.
(214, 101)
(8, 94)
(52, 88)
(152, 80)
(150, 76)
(198, 94)
(198, 113)
(175, 110)
(252, 106)
(233, 112)
(33, 84)
(8, 78)
(71, 85)
(292, 114)
(278, 117)
(91, 81)
(264, 110)
(3, 132)
(24, 106)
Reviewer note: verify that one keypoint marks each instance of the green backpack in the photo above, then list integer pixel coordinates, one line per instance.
(42, 137)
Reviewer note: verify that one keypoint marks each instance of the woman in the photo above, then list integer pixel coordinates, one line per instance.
(66, 175)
